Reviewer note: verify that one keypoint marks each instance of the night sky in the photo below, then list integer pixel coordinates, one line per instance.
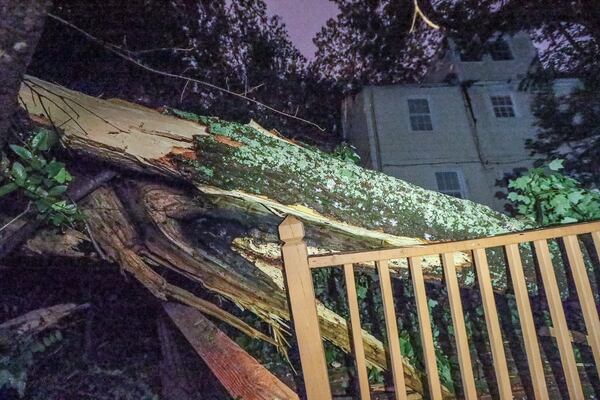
(303, 18)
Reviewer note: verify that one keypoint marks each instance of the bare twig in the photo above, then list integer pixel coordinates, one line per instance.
(253, 88)
(97, 247)
(15, 219)
(419, 13)
(40, 319)
(173, 49)
(183, 91)
(125, 55)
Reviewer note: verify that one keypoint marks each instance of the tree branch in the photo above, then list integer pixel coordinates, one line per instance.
(124, 54)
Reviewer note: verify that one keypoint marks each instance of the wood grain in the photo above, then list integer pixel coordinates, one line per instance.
(240, 374)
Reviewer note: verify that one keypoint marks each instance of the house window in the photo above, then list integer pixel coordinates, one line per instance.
(449, 183)
(500, 51)
(503, 106)
(420, 115)
(470, 51)
(470, 55)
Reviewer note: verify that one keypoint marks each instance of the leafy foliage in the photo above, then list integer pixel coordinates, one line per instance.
(370, 42)
(548, 197)
(44, 182)
(17, 356)
(569, 128)
(568, 32)
(346, 152)
(233, 45)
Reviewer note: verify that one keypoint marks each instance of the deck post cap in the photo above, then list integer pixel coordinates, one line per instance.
(291, 229)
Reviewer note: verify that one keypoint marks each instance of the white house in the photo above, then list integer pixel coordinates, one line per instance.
(460, 130)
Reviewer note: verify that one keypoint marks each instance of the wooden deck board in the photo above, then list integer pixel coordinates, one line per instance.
(240, 374)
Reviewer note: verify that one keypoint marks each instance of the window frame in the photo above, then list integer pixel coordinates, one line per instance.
(462, 184)
(465, 57)
(503, 106)
(494, 50)
(420, 114)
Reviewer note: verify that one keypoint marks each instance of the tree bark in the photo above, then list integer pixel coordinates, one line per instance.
(38, 320)
(21, 25)
(247, 162)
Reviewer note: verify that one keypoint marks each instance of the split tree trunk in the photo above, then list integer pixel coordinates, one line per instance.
(244, 179)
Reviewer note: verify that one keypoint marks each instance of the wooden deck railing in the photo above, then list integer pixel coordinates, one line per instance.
(298, 266)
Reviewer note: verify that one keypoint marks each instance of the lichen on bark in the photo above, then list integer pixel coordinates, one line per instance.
(241, 157)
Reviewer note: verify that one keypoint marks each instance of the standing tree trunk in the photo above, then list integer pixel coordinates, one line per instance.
(21, 25)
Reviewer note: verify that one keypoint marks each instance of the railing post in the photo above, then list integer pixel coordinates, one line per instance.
(304, 309)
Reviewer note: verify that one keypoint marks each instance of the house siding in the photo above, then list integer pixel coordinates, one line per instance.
(467, 137)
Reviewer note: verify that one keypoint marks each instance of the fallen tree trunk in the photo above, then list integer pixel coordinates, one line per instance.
(250, 163)
(254, 167)
(246, 179)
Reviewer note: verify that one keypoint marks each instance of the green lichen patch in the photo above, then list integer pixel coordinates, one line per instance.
(293, 174)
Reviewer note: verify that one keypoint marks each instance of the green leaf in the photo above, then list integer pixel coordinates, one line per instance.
(57, 190)
(57, 219)
(8, 188)
(361, 292)
(19, 173)
(523, 199)
(34, 180)
(574, 197)
(59, 205)
(522, 209)
(21, 152)
(37, 163)
(406, 347)
(560, 203)
(42, 205)
(39, 191)
(38, 347)
(42, 141)
(519, 183)
(53, 168)
(568, 220)
(62, 176)
(556, 165)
